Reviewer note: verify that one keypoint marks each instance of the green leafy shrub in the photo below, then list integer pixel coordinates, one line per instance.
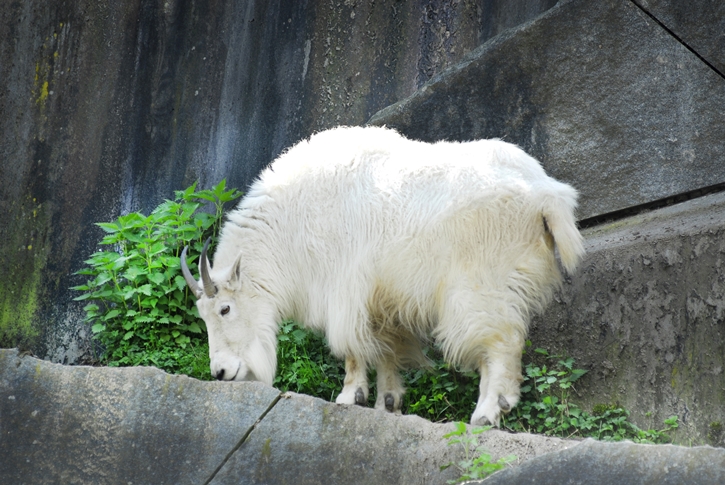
(440, 393)
(477, 463)
(305, 365)
(546, 407)
(139, 306)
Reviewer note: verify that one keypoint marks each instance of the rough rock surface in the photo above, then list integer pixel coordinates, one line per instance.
(700, 24)
(610, 102)
(63, 424)
(327, 443)
(645, 313)
(594, 462)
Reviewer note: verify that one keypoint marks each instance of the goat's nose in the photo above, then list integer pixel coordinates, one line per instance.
(220, 375)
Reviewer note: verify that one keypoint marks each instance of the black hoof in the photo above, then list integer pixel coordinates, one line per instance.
(485, 422)
(360, 397)
(389, 402)
(503, 403)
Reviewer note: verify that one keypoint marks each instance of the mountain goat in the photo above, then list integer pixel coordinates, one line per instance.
(382, 243)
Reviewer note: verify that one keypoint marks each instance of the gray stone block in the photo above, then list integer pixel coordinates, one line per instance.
(61, 424)
(599, 92)
(645, 313)
(598, 463)
(304, 440)
(64, 424)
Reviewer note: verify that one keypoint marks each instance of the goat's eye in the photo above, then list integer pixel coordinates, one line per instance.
(225, 309)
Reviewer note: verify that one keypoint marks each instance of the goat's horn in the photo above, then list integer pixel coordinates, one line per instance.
(187, 274)
(209, 288)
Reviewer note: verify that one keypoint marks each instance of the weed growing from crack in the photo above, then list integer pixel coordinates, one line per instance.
(477, 463)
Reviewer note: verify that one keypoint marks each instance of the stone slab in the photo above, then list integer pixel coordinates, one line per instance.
(304, 440)
(80, 425)
(699, 23)
(76, 424)
(604, 96)
(598, 463)
(67, 424)
(645, 314)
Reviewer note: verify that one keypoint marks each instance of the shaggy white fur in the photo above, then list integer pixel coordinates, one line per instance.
(383, 242)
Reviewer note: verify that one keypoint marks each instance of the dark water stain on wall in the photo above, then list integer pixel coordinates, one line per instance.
(107, 107)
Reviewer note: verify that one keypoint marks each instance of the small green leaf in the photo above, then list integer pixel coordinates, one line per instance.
(157, 278)
(134, 272)
(111, 314)
(110, 227)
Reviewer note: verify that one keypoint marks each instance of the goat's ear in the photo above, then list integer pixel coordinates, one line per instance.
(236, 275)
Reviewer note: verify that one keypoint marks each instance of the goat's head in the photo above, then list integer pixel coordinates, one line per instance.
(242, 343)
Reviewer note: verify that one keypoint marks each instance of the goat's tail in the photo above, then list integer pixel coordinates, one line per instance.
(558, 212)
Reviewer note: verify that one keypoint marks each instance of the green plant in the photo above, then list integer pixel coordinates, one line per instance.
(305, 364)
(139, 306)
(440, 392)
(476, 463)
(715, 433)
(545, 407)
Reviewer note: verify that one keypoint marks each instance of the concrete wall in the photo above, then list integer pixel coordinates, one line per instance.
(107, 108)
(81, 425)
(645, 314)
(605, 96)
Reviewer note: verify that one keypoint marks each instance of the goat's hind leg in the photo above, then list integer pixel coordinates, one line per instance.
(355, 390)
(389, 386)
(500, 383)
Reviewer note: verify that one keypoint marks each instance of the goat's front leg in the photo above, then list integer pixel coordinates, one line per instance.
(355, 390)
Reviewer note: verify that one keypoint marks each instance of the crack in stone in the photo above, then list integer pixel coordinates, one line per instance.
(650, 206)
(677, 38)
(243, 439)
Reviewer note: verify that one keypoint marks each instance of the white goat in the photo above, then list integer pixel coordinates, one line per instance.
(382, 242)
